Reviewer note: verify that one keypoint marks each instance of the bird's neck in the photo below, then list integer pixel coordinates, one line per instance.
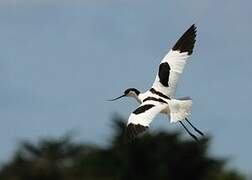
(137, 97)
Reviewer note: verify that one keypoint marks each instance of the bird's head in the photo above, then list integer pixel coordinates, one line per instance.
(130, 92)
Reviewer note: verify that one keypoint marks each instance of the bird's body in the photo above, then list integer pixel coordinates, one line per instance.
(151, 96)
(160, 97)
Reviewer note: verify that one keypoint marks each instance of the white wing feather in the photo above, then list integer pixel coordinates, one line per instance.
(140, 119)
(146, 117)
(174, 62)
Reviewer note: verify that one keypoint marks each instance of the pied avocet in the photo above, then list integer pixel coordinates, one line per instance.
(160, 98)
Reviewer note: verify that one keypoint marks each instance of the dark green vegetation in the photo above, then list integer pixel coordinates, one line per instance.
(153, 156)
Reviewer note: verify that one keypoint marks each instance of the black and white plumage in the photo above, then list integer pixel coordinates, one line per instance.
(160, 98)
(174, 62)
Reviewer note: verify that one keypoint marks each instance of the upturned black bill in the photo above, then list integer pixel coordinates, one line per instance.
(116, 98)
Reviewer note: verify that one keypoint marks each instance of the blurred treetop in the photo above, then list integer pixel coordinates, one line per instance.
(152, 156)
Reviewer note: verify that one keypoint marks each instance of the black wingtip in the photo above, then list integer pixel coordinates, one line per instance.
(186, 41)
(133, 130)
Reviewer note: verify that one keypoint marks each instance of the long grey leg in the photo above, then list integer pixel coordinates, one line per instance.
(197, 130)
(192, 135)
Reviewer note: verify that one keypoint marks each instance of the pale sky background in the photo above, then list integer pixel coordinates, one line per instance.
(60, 61)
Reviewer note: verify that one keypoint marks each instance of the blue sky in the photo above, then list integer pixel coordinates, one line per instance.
(60, 61)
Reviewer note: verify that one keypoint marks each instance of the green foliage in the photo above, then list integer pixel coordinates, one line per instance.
(152, 156)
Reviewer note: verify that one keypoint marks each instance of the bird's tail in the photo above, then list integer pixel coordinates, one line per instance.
(180, 108)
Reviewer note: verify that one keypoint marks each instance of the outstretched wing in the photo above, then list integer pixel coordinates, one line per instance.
(141, 118)
(173, 63)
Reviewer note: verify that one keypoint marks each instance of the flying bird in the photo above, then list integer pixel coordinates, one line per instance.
(160, 97)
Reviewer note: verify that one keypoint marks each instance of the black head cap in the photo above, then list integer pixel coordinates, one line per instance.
(127, 91)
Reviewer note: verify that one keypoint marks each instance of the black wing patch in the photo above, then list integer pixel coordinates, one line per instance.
(159, 93)
(163, 73)
(143, 108)
(186, 41)
(154, 99)
(133, 130)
